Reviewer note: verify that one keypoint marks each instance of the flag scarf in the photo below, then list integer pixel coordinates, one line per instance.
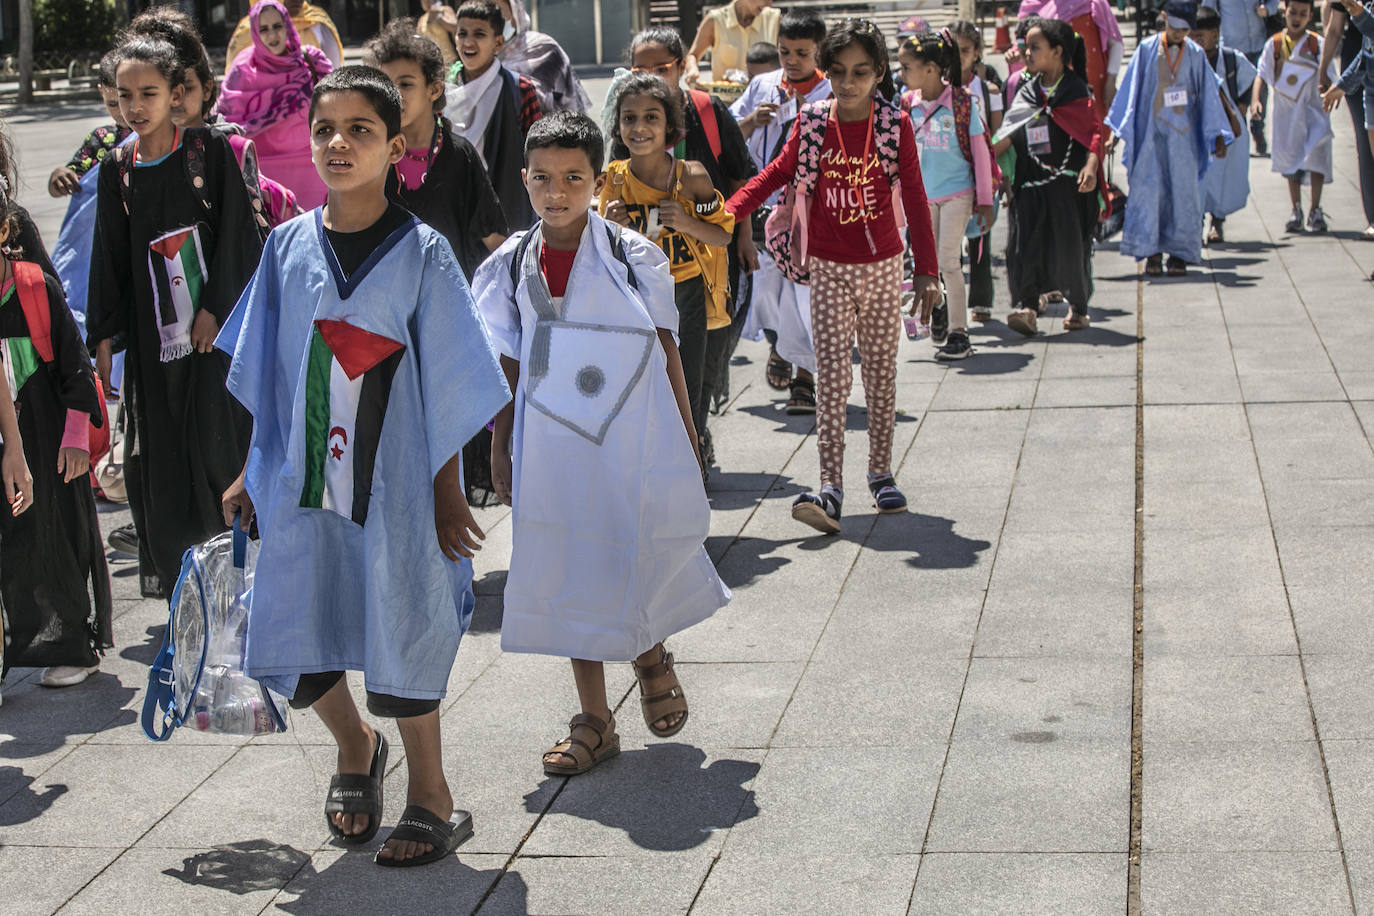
(177, 267)
(347, 385)
(1071, 107)
(18, 354)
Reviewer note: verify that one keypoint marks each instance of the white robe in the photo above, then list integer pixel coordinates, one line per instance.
(609, 510)
(1301, 129)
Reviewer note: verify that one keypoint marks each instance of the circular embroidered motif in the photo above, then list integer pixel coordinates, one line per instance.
(590, 381)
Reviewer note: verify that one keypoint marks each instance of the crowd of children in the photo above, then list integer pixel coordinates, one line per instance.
(470, 268)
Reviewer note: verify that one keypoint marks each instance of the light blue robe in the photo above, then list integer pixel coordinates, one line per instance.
(1166, 150)
(1227, 185)
(330, 594)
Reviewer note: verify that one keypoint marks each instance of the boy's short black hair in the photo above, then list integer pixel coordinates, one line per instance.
(486, 10)
(762, 52)
(1291, 2)
(568, 130)
(1208, 20)
(802, 24)
(369, 82)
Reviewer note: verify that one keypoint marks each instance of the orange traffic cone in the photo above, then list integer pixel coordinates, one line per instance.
(1001, 41)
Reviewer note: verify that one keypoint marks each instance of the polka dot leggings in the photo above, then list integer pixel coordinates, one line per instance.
(845, 299)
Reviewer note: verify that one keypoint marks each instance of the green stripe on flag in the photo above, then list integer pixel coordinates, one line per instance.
(21, 361)
(316, 420)
(190, 268)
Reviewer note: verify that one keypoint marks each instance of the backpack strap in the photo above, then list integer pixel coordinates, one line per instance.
(887, 136)
(518, 258)
(195, 140)
(963, 118)
(1228, 57)
(158, 705)
(811, 126)
(706, 113)
(32, 290)
(124, 161)
(615, 233)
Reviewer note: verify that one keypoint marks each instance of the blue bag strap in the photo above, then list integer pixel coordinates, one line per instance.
(157, 702)
(240, 544)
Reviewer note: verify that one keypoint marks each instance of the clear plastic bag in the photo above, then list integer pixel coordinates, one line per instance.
(198, 679)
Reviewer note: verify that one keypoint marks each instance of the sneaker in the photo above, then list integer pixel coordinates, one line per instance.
(939, 323)
(1294, 224)
(1261, 145)
(1022, 321)
(66, 675)
(1316, 220)
(124, 539)
(820, 512)
(957, 348)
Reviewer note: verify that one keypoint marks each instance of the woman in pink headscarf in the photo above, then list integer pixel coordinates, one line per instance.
(266, 91)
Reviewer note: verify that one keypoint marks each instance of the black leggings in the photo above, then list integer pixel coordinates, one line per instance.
(691, 334)
(310, 687)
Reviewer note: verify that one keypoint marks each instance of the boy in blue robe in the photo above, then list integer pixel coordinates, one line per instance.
(360, 355)
(1227, 185)
(1169, 114)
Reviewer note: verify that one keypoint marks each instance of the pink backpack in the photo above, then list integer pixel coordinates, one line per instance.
(785, 231)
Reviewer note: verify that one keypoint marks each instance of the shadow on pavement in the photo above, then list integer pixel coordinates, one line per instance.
(661, 796)
(21, 805)
(243, 868)
(353, 883)
(39, 720)
(740, 562)
(929, 539)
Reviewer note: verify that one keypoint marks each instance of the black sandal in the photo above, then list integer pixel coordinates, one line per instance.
(778, 371)
(1154, 265)
(420, 825)
(803, 400)
(354, 793)
(886, 497)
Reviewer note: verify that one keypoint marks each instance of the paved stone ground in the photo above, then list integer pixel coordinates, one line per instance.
(933, 713)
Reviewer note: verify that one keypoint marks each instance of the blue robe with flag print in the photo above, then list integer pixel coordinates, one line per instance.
(1167, 149)
(329, 593)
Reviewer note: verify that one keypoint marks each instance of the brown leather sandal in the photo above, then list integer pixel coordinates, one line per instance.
(582, 755)
(665, 704)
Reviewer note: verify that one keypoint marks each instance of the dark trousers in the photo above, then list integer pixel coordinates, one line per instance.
(310, 687)
(1355, 101)
(690, 296)
(1257, 124)
(980, 272)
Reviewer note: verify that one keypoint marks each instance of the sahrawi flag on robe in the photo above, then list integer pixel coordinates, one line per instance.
(347, 385)
(177, 267)
(18, 354)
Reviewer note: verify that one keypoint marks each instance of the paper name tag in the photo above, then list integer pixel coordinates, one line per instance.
(1176, 98)
(1038, 137)
(786, 111)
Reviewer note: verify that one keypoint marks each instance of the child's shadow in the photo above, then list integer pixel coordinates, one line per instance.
(662, 796)
(929, 539)
(21, 803)
(244, 867)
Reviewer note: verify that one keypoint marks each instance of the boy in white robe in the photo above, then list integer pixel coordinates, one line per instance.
(1301, 152)
(596, 453)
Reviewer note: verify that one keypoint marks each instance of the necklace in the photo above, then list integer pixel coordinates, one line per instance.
(428, 158)
(1174, 63)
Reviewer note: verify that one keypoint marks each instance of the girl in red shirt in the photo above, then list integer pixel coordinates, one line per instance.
(854, 255)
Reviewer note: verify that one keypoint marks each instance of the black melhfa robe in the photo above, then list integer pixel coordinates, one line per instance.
(53, 579)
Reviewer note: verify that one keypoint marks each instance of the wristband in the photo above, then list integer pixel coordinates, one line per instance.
(706, 209)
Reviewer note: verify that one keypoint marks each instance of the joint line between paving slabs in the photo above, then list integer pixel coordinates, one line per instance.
(973, 643)
(1137, 615)
(1283, 577)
